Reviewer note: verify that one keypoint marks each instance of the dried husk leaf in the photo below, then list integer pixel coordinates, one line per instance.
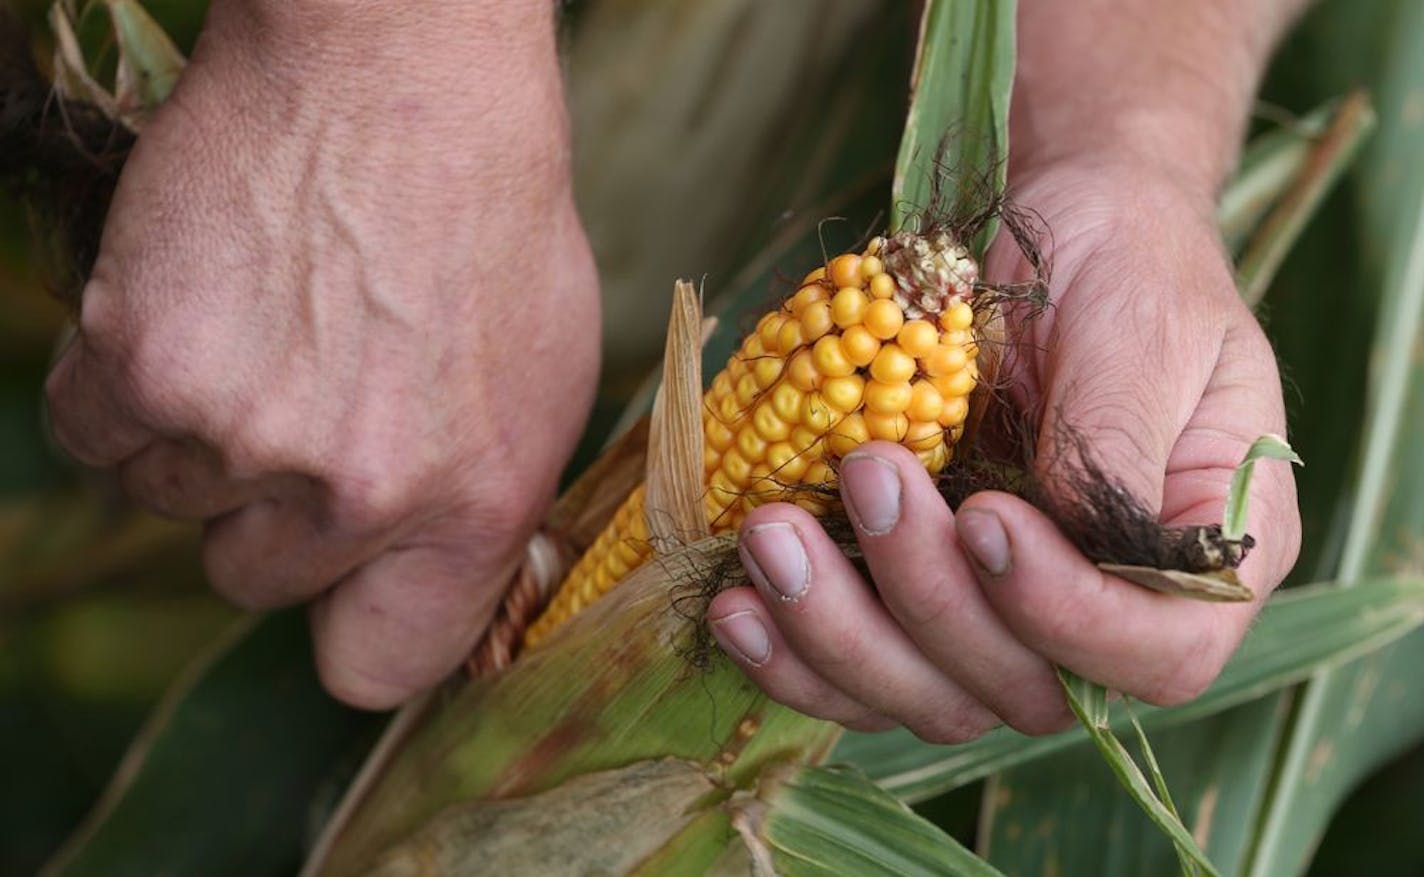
(674, 472)
(601, 823)
(1221, 586)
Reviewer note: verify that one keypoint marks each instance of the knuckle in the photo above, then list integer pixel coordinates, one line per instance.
(1183, 681)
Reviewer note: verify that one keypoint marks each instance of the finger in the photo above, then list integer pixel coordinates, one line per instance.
(185, 479)
(907, 534)
(279, 550)
(741, 623)
(831, 619)
(402, 622)
(87, 413)
(1156, 647)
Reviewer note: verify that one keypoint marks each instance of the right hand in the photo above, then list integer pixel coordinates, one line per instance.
(345, 314)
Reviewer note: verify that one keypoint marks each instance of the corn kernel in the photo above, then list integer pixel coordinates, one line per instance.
(860, 346)
(751, 445)
(766, 369)
(820, 473)
(884, 318)
(954, 411)
(886, 427)
(768, 425)
(817, 414)
(884, 398)
(871, 266)
(882, 286)
(892, 365)
(848, 307)
(944, 360)
(787, 466)
(918, 337)
(790, 338)
(815, 276)
(957, 316)
(718, 435)
(769, 330)
(801, 371)
(737, 467)
(845, 270)
(844, 393)
(805, 297)
(830, 358)
(803, 440)
(849, 434)
(925, 402)
(923, 435)
(748, 389)
(816, 321)
(786, 402)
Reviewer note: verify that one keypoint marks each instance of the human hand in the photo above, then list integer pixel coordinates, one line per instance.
(1153, 361)
(345, 314)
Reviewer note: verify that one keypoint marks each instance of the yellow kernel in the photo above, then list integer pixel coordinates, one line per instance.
(873, 248)
(768, 425)
(816, 320)
(737, 467)
(751, 445)
(769, 330)
(892, 365)
(787, 466)
(820, 473)
(957, 316)
(871, 266)
(847, 435)
(845, 270)
(761, 472)
(616, 567)
(790, 337)
(961, 383)
(817, 413)
(956, 338)
(884, 318)
(766, 369)
(804, 439)
(815, 276)
(884, 398)
(720, 485)
(747, 389)
(722, 385)
(954, 411)
(711, 459)
(844, 393)
(923, 435)
(830, 358)
(918, 337)
(786, 402)
(848, 307)
(628, 552)
(925, 402)
(802, 373)
(729, 409)
(718, 435)
(859, 345)
(752, 348)
(882, 286)
(887, 427)
(805, 297)
(944, 360)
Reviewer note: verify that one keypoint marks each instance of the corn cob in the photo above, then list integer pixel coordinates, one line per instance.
(874, 345)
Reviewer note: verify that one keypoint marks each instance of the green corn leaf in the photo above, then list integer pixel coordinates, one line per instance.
(833, 821)
(958, 124)
(1298, 632)
(1267, 447)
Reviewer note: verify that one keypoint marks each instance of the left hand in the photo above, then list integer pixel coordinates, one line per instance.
(1150, 356)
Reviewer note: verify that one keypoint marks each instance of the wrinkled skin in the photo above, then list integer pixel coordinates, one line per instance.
(344, 313)
(1151, 357)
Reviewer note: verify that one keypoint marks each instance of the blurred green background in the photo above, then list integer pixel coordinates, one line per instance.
(101, 608)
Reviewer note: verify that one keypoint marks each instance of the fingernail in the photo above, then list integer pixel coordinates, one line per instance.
(982, 533)
(743, 634)
(775, 560)
(871, 490)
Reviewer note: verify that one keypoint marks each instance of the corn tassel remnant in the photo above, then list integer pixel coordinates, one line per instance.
(876, 345)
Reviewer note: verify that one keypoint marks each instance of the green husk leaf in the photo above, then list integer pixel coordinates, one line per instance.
(1267, 447)
(833, 821)
(957, 127)
(1298, 632)
(149, 62)
(1088, 701)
